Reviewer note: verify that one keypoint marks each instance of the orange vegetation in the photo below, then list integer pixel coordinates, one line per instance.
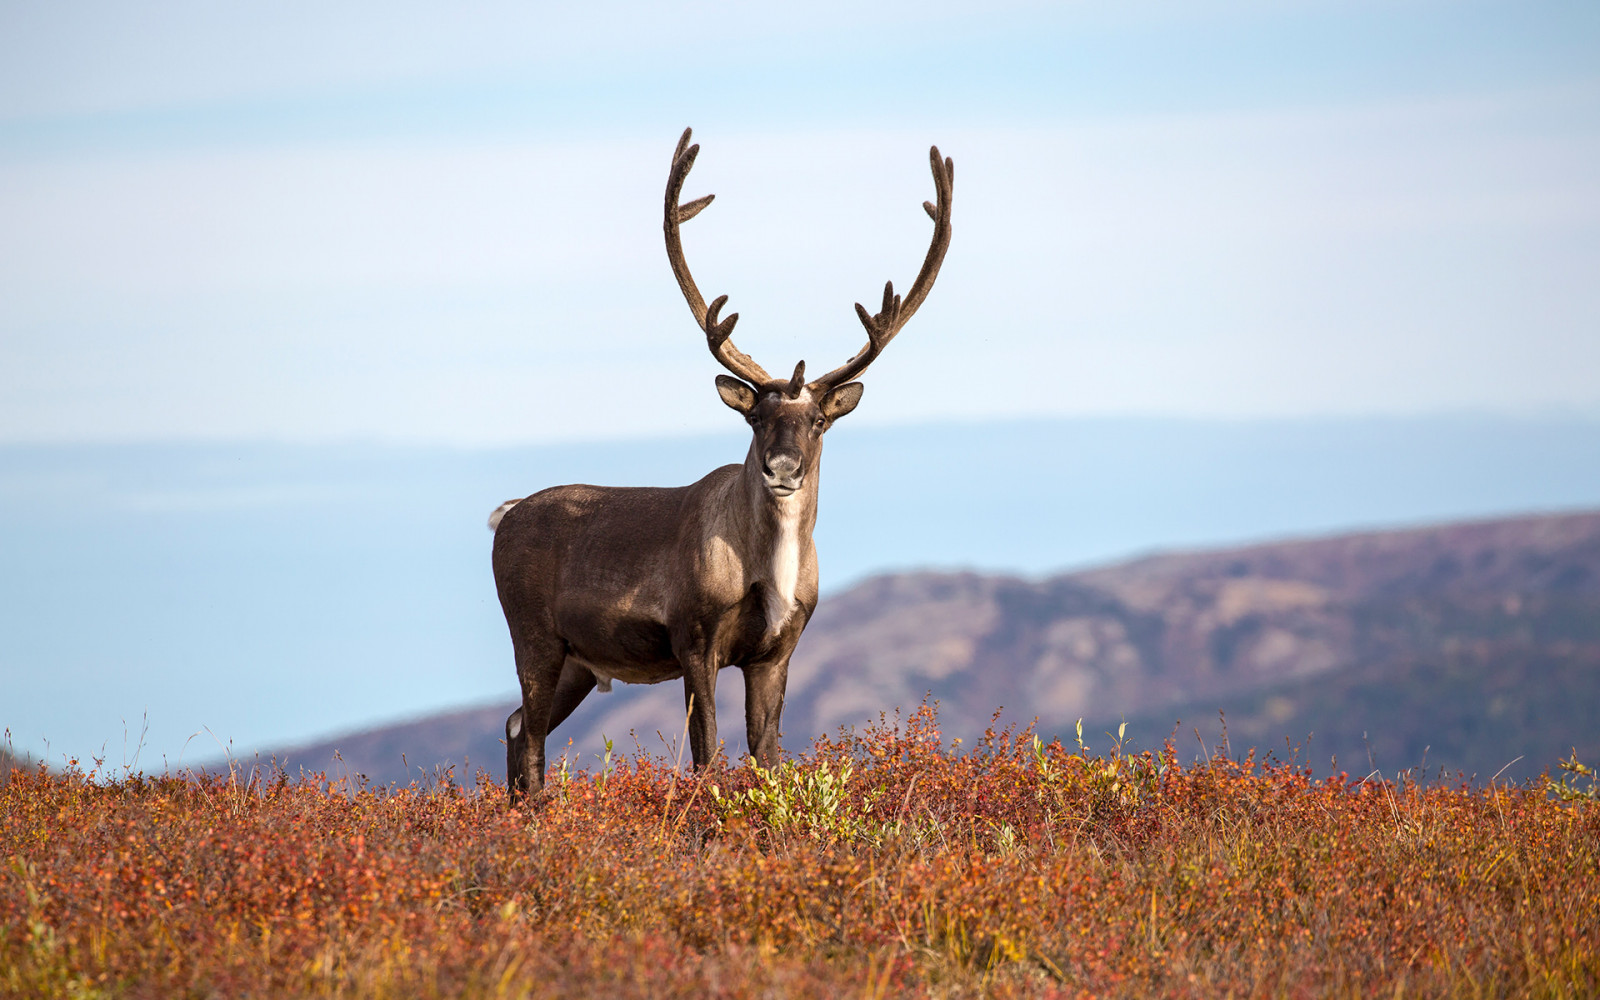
(887, 864)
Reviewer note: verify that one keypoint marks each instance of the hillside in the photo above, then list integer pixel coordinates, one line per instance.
(1471, 643)
(270, 594)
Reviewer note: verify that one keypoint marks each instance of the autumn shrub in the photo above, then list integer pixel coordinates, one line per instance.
(888, 862)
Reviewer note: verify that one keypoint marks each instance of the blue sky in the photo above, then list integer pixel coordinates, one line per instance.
(419, 223)
(292, 294)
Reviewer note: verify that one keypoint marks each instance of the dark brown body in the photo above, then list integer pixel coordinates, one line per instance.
(648, 585)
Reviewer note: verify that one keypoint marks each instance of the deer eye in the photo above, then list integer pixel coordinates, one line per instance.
(819, 422)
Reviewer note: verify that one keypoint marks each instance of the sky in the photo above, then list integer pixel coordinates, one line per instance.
(420, 223)
(292, 294)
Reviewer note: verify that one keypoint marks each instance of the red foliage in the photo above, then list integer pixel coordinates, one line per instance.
(884, 864)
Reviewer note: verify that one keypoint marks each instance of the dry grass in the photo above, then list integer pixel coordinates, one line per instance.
(880, 865)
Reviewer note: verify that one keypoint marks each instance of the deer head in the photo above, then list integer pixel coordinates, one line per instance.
(789, 416)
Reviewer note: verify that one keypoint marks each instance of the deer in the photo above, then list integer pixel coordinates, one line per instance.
(644, 584)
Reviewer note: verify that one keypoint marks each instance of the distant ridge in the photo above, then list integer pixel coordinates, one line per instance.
(273, 593)
(1461, 646)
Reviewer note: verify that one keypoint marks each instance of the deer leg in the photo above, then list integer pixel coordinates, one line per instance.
(539, 662)
(575, 684)
(515, 739)
(700, 701)
(764, 684)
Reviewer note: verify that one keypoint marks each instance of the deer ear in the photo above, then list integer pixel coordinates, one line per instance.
(735, 393)
(842, 400)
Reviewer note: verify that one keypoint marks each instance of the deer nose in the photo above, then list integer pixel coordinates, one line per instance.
(781, 465)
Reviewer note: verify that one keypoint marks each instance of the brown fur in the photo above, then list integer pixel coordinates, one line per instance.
(645, 585)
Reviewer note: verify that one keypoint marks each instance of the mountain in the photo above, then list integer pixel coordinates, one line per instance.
(264, 594)
(1458, 647)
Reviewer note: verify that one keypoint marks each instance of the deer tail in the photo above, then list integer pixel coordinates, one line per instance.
(499, 513)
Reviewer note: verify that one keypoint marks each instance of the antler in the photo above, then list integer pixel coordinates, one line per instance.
(717, 333)
(881, 328)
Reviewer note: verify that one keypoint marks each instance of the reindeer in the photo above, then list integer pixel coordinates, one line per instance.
(645, 585)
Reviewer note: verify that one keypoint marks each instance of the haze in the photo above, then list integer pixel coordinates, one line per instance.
(408, 230)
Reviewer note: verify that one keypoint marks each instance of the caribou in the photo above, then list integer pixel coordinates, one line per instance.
(644, 585)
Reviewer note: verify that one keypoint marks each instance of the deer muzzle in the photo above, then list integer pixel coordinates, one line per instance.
(782, 472)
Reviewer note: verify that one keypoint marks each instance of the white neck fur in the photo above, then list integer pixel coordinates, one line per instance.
(785, 574)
